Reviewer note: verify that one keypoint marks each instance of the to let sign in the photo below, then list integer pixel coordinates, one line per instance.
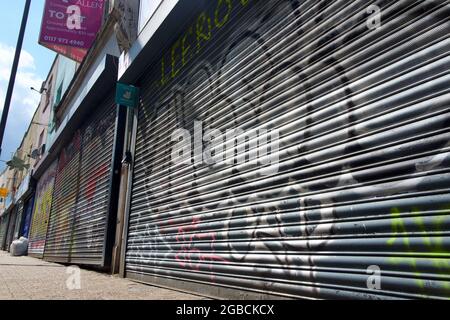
(70, 26)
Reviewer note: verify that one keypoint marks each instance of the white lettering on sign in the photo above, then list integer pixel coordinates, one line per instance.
(56, 14)
(74, 19)
(90, 4)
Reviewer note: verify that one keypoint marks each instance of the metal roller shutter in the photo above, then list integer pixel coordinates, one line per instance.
(59, 237)
(11, 227)
(95, 179)
(19, 218)
(3, 230)
(362, 188)
(80, 207)
(41, 212)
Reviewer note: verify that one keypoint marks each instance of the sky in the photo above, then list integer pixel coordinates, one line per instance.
(35, 63)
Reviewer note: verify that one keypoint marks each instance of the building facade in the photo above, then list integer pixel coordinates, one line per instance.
(76, 177)
(57, 83)
(18, 181)
(349, 196)
(280, 149)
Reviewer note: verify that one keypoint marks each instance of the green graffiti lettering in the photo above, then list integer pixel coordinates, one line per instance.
(397, 227)
(175, 70)
(185, 49)
(433, 244)
(201, 34)
(220, 23)
(163, 71)
(421, 226)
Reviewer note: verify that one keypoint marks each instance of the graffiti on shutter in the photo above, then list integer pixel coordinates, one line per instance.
(41, 212)
(362, 160)
(78, 225)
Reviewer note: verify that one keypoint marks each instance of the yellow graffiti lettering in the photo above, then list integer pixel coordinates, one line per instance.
(175, 56)
(185, 49)
(397, 227)
(433, 244)
(201, 34)
(221, 22)
(421, 226)
(163, 71)
(41, 213)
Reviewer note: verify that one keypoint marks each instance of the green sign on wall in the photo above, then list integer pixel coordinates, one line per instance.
(127, 95)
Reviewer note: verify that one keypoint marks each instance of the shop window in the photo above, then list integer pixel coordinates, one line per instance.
(59, 94)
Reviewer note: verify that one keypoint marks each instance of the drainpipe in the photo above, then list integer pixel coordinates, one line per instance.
(124, 195)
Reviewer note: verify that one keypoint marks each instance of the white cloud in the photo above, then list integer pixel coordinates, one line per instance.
(24, 101)
(30, 99)
(26, 77)
(7, 57)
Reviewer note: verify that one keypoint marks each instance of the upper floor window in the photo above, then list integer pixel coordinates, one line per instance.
(59, 94)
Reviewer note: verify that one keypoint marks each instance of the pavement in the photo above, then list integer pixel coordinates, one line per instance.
(27, 278)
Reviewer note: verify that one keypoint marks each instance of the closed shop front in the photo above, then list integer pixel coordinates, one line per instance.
(13, 217)
(41, 212)
(25, 202)
(346, 104)
(4, 222)
(27, 215)
(64, 201)
(80, 208)
(18, 222)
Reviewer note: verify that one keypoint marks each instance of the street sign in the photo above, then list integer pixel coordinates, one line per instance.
(127, 95)
(3, 192)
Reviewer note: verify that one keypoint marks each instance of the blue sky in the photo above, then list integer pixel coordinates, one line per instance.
(34, 65)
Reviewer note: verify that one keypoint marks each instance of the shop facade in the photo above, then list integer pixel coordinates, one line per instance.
(41, 212)
(280, 149)
(76, 199)
(80, 209)
(348, 198)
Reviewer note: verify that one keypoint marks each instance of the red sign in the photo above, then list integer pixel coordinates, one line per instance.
(69, 27)
(76, 54)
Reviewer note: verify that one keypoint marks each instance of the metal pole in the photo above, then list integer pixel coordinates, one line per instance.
(12, 79)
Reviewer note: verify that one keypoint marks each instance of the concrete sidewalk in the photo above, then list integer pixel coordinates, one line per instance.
(26, 278)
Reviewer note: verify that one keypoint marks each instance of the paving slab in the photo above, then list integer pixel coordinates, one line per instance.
(27, 278)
